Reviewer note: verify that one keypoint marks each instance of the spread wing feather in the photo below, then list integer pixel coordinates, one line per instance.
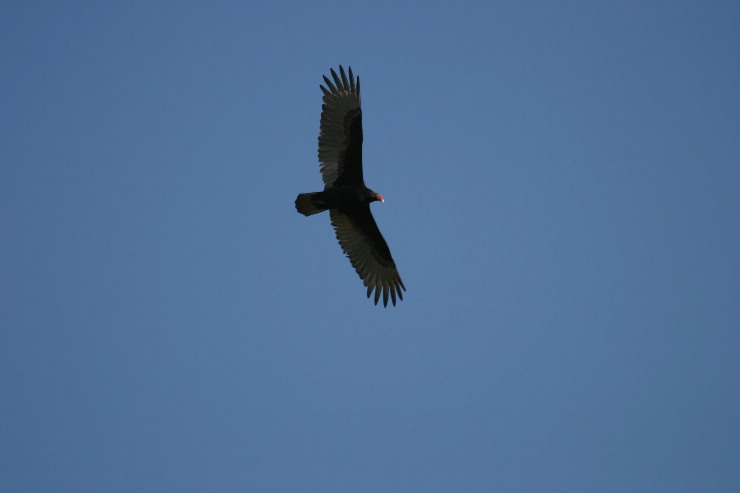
(340, 139)
(361, 241)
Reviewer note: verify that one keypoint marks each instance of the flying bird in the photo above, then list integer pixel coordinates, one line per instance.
(345, 194)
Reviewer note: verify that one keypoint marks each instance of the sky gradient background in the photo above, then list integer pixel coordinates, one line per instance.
(562, 200)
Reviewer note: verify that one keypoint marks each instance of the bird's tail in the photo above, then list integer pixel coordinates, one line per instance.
(309, 204)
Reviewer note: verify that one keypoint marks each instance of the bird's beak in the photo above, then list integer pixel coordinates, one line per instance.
(380, 197)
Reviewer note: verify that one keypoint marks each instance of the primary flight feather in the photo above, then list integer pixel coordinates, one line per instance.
(345, 194)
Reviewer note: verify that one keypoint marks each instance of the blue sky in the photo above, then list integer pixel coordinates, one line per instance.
(561, 185)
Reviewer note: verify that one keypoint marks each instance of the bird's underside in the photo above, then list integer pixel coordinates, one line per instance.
(345, 194)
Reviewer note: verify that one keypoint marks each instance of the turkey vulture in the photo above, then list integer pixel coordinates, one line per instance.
(345, 193)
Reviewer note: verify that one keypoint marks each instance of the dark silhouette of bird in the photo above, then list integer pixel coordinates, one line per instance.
(345, 194)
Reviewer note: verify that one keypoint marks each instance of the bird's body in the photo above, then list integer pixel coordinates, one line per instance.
(343, 198)
(345, 194)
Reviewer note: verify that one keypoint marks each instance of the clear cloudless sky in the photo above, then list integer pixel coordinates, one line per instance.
(562, 184)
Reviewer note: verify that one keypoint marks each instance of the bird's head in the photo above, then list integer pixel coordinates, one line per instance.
(370, 196)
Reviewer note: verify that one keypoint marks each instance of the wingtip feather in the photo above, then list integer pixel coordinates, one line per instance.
(345, 84)
(337, 81)
(328, 83)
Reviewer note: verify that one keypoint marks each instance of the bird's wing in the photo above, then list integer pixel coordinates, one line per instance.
(360, 238)
(340, 139)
